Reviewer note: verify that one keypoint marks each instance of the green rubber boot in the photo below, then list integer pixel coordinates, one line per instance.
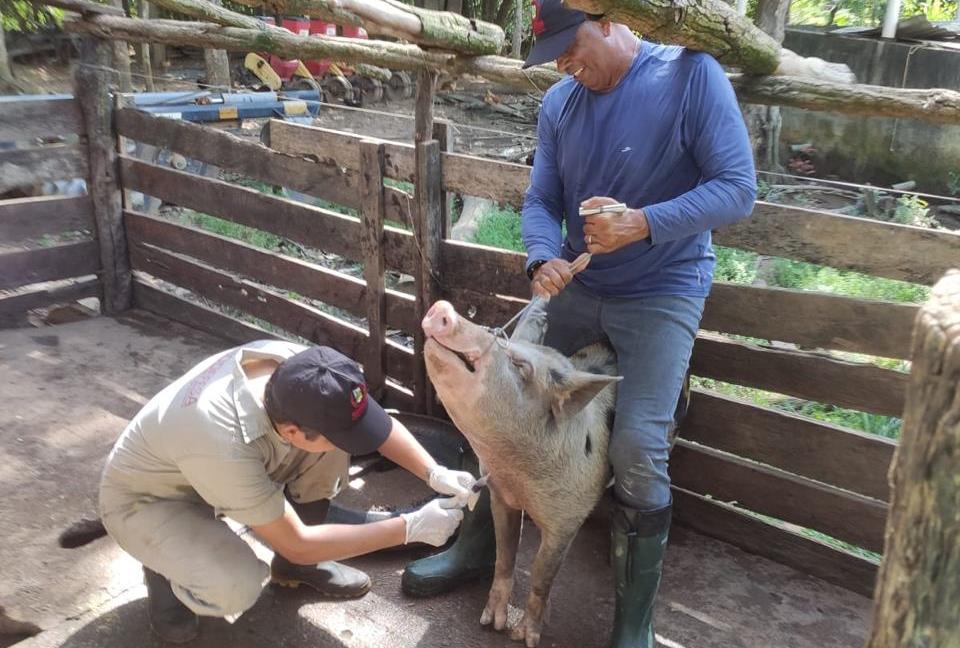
(639, 542)
(472, 556)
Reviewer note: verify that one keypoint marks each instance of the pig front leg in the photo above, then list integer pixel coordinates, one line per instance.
(553, 547)
(506, 525)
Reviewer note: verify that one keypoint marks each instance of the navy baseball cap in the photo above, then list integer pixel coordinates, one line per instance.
(554, 28)
(322, 390)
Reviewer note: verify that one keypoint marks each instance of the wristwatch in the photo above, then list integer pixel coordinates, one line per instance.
(532, 270)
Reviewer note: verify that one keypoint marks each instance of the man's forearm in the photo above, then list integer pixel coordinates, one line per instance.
(342, 541)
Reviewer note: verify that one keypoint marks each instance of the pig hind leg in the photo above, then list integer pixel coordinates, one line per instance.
(506, 524)
(553, 547)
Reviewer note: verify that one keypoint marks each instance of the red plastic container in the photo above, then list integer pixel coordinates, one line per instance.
(353, 31)
(297, 25)
(323, 28)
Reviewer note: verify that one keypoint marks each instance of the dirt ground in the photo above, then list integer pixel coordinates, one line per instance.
(68, 391)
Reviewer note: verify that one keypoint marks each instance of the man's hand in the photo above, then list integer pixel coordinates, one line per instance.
(551, 278)
(457, 483)
(604, 233)
(434, 523)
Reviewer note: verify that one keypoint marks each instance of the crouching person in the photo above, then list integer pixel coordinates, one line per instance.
(261, 434)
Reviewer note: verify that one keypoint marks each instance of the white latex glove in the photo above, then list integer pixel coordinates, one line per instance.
(457, 483)
(434, 523)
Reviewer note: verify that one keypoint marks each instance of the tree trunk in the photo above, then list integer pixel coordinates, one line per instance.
(6, 74)
(517, 28)
(772, 18)
(763, 122)
(931, 105)
(706, 25)
(217, 65)
(121, 58)
(394, 18)
(917, 601)
(146, 67)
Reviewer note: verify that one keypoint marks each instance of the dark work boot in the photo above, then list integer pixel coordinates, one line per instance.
(173, 621)
(639, 542)
(472, 556)
(330, 579)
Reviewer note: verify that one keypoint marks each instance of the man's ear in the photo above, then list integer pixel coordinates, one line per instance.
(606, 27)
(287, 431)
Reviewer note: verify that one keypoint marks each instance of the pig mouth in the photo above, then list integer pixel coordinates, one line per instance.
(468, 358)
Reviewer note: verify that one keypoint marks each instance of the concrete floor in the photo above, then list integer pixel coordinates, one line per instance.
(67, 392)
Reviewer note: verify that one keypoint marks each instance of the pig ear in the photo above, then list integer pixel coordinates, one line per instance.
(532, 324)
(576, 389)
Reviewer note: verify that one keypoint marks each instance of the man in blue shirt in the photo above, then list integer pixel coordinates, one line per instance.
(658, 129)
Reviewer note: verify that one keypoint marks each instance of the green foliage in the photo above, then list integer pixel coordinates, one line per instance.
(255, 237)
(20, 15)
(953, 183)
(848, 13)
(912, 210)
(736, 266)
(807, 276)
(885, 426)
(500, 228)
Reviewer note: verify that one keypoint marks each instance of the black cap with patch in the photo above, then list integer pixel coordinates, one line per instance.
(554, 28)
(322, 390)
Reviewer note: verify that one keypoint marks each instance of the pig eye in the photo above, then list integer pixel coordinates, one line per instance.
(524, 367)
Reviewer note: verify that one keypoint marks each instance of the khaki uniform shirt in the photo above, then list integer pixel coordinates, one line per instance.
(207, 437)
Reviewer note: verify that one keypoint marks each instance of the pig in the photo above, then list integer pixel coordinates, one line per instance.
(540, 424)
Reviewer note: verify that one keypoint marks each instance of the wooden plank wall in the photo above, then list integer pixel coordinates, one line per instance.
(793, 470)
(33, 249)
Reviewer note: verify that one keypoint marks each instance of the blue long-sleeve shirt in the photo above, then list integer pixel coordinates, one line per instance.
(669, 139)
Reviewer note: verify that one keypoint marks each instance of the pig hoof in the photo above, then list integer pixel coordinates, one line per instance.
(497, 605)
(496, 614)
(525, 631)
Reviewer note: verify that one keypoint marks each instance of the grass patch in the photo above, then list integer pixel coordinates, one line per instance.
(250, 235)
(885, 426)
(808, 276)
(500, 228)
(735, 266)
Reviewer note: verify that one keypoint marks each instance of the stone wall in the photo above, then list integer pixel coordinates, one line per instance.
(875, 150)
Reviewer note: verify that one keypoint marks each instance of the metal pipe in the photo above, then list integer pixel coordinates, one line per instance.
(890, 19)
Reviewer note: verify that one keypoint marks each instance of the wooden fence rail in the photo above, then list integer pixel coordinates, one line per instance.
(793, 232)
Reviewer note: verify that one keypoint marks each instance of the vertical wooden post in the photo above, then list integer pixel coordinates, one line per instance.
(918, 592)
(217, 66)
(443, 133)
(146, 67)
(121, 58)
(93, 95)
(427, 225)
(372, 208)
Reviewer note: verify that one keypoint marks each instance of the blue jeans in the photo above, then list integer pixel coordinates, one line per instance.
(653, 338)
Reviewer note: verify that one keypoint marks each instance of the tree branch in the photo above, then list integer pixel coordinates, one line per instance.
(937, 105)
(706, 25)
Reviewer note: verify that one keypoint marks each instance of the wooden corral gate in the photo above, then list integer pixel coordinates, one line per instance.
(44, 142)
(793, 471)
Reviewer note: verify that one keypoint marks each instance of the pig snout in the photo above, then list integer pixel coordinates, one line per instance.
(441, 320)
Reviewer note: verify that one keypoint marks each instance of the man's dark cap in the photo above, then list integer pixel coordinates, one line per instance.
(322, 390)
(554, 28)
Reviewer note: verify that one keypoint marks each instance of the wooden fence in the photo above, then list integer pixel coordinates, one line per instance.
(782, 471)
(39, 265)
